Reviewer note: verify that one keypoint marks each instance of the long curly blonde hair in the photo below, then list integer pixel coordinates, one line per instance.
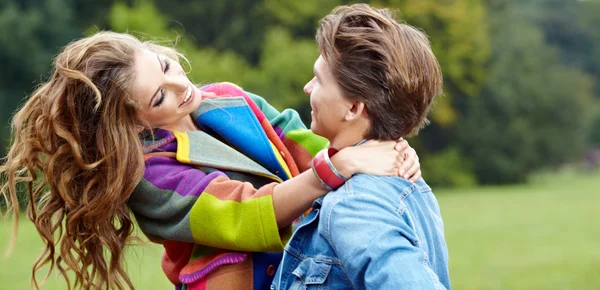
(76, 147)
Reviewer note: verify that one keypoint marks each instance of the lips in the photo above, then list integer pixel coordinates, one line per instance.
(189, 96)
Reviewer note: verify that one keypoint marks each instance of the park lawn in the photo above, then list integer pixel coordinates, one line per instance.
(543, 235)
(143, 261)
(535, 236)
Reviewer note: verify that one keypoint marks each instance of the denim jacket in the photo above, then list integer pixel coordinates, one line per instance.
(372, 233)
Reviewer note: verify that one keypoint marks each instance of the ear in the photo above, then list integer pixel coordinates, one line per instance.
(355, 109)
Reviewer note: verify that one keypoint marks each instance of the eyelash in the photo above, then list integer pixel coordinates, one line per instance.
(162, 92)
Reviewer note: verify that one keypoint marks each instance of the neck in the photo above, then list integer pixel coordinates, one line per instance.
(351, 133)
(183, 125)
(348, 137)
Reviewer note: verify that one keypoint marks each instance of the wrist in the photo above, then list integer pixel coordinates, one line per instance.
(344, 162)
(325, 171)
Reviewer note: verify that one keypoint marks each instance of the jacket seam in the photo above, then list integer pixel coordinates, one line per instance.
(349, 192)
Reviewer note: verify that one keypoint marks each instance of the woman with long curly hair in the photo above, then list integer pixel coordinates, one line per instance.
(214, 174)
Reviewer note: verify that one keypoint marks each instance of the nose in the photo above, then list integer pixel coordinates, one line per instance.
(308, 87)
(178, 83)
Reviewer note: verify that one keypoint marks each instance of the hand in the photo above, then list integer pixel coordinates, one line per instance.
(373, 157)
(410, 167)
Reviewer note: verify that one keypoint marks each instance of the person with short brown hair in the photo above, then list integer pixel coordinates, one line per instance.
(376, 78)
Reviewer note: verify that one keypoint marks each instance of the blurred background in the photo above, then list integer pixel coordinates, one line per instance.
(512, 151)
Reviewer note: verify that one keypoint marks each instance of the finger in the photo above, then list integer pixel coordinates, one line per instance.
(416, 176)
(413, 170)
(407, 165)
(411, 163)
(401, 145)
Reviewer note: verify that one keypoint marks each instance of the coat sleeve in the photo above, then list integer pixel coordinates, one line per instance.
(179, 202)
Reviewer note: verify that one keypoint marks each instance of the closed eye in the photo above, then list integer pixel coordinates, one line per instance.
(161, 98)
(167, 65)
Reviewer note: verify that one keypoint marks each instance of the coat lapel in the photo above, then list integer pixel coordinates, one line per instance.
(207, 151)
(232, 119)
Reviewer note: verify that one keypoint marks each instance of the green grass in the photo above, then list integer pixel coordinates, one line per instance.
(542, 235)
(143, 262)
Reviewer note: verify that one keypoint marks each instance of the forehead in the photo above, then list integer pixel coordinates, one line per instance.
(322, 69)
(147, 74)
(320, 64)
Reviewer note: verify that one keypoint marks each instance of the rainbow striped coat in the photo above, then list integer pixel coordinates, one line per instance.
(206, 195)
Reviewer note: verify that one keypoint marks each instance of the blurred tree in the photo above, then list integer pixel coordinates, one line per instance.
(236, 25)
(285, 67)
(589, 11)
(532, 109)
(571, 27)
(207, 64)
(301, 17)
(32, 31)
(593, 133)
(93, 12)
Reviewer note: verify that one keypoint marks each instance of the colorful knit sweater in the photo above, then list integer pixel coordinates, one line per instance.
(206, 195)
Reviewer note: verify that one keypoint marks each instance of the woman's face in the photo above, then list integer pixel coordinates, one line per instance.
(164, 93)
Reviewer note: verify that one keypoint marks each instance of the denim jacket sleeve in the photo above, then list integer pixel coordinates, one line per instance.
(377, 244)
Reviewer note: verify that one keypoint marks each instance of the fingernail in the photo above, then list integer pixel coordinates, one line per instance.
(401, 172)
(406, 176)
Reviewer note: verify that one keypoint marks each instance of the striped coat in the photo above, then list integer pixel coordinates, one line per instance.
(206, 195)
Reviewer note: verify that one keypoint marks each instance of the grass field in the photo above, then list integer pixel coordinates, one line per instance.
(536, 236)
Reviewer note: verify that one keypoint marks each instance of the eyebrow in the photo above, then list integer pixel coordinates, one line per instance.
(155, 93)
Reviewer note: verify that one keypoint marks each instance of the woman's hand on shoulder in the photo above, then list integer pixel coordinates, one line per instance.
(380, 158)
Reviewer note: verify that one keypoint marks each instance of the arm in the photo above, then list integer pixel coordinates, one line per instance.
(175, 201)
(179, 202)
(377, 245)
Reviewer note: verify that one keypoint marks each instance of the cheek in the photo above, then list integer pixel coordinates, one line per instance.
(156, 117)
(151, 118)
(315, 97)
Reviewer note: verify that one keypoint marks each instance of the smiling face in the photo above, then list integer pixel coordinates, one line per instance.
(329, 107)
(165, 94)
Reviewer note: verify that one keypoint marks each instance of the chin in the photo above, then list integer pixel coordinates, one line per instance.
(195, 104)
(315, 129)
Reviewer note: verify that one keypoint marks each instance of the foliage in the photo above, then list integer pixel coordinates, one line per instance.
(522, 124)
(593, 131)
(448, 168)
(519, 76)
(236, 25)
(30, 33)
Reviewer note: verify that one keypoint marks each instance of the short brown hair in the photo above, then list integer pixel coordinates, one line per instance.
(385, 64)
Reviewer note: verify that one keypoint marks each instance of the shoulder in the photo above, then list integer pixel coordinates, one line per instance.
(389, 188)
(373, 195)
